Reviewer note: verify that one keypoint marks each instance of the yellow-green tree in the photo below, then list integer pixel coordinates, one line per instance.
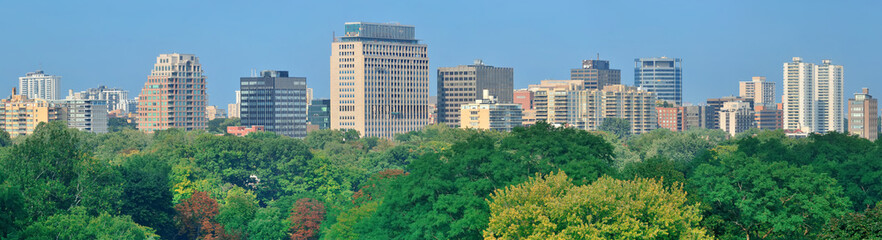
(552, 207)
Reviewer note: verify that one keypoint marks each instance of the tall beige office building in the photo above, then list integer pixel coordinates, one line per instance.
(465, 84)
(174, 95)
(761, 91)
(616, 101)
(550, 100)
(813, 96)
(863, 115)
(379, 80)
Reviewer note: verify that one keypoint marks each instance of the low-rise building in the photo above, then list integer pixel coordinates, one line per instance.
(489, 114)
(241, 131)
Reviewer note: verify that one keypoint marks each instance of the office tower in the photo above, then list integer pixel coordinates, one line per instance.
(663, 76)
(233, 108)
(552, 100)
(863, 115)
(379, 80)
(813, 96)
(736, 117)
(490, 114)
(117, 99)
(759, 90)
(615, 101)
(768, 118)
(715, 104)
(596, 74)
(212, 112)
(275, 101)
(39, 85)
(174, 95)
(88, 115)
(696, 117)
(672, 118)
(465, 83)
(319, 113)
(20, 115)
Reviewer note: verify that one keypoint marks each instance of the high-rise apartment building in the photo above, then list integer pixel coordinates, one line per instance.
(672, 118)
(636, 105)
(863, 115)
(663, 76)
(696, 117)
(465, 84)
(489, 114)
(379, 80)
(714, 105)
(39, 85)
(552, 100)
(759, 90)
(20, 115)
(736, 117)
(174, 95)
(813, 96)
(319, 113)
(768, 117)
(117, 99)
(233, 108)
(276, 101)
(596, 74)
(88, 115)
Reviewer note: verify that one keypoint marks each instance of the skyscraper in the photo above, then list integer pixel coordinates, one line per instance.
(761, 91)
(465, 84)
(379, 80)
(39, 85)
(174, 95)
(596, 74)
(813, 96)
(663, 76)
(275, 101)
(863, 115)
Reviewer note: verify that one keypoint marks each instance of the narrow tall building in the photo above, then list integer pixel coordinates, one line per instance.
(663, 76)
(761, 92)
(465, 84)
(38, 85)
(813, 96)
(275, 101)
(596, 74)
(379, 80)
(863, 115)
(174, 95)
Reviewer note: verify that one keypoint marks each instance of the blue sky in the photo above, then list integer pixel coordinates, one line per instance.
(115, 43)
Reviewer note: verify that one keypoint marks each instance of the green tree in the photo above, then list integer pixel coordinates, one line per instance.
(147, 195)
(12, 206)
(866, 225)
(78, 224)
(5, 140)
(239, 209)
(115, 124)
(618, 126)
(554, 208)
(219, 125)
(269, 223)
(658, 168)
(750, 198)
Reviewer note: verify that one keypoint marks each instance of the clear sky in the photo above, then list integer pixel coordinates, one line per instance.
(115, 43)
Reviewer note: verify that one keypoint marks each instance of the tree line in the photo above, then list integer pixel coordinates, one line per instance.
(539, 182)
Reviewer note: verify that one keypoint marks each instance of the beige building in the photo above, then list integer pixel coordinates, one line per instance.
(212, 112)
(379, 80)
(616, 101)
(20, 115)
(759, 90)
(490, 114)
(736, 117)
(233, 109)
(465, 84)
(174, 95)
(863, 115)
(550, 100)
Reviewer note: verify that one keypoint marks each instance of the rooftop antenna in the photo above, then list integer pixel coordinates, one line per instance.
(598, 56)
(333, 36)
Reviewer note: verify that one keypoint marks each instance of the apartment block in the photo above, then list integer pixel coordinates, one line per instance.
(736, 117)
(863, 115)
(813, 96)
(760, 91)
(769, 118)
(20, 115)
(714, 105)
(38, 85)
(552, 100)
(491, 115)
(596, 74)
(672, 118)
(616, 101)
(174, 95)
(466, 83)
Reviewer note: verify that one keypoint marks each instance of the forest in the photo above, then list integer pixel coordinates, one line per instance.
(538, 182)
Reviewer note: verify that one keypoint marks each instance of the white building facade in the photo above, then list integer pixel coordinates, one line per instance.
(39, 85)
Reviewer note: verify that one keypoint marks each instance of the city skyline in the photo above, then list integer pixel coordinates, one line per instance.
(748, 46)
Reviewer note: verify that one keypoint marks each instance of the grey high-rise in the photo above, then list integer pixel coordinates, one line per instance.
(466, 83)
(663, 76)
(596, 74)
(275, 101)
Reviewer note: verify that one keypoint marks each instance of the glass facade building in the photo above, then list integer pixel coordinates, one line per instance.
(275, 101)
(319, 113)
(663, 76)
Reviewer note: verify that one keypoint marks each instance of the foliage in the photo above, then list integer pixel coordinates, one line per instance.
(867, 225)
(146, 196)
(79, 225)
(196, 218)
(661, 169)
(115, 124)
(617, 126)
(552, 207)
(758, 199)
(219, 125)
(306, 218)
(239, 209)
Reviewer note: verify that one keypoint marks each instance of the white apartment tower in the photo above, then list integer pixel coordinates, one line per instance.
(813, 96)
(379, 80)
(37, 85)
